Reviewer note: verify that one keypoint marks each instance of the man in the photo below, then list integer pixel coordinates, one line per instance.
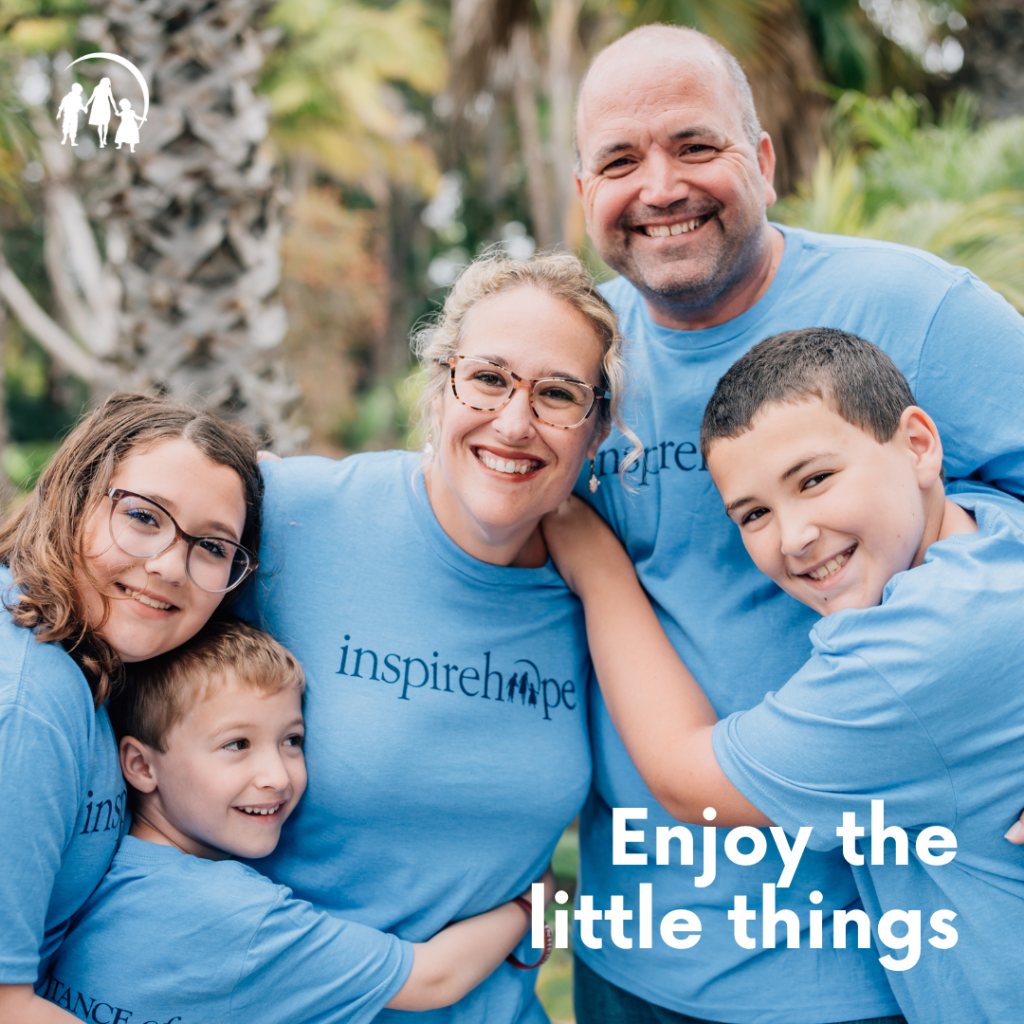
(675, 177)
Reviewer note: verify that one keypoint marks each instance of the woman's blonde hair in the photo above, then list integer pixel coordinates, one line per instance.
(559, 274)
(43, 541)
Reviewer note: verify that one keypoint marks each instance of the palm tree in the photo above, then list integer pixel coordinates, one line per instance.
(182, 298)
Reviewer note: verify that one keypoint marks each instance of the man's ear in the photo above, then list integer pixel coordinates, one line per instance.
(579, 185)
(918, 432)
(598, 439)
(137, 764)
(766, 162)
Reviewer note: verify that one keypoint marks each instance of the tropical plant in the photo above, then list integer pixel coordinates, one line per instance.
(181, 296)
(948, 185)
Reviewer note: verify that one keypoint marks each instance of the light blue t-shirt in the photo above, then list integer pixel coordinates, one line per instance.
(172, 937)
(918, 702)
(961, 347)
(446, 710)
(64, 796)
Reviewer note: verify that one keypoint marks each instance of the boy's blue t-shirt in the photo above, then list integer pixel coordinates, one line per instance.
(446, 728)
(961, 347)
(172, 937)
(64, 796)
(918, 702)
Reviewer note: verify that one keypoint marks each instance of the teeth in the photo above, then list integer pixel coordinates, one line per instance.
(151, 602)
(506, 466)
(664, 230)
(833, 565)
(260, 810)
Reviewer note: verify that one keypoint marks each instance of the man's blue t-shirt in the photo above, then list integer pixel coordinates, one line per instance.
(64, 796)
(172, 937)
(446, 728)
(961, 347)
(918, 702)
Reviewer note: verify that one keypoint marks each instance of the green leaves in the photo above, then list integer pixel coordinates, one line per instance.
(949, 186)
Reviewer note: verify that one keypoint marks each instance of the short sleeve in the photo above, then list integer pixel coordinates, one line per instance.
(971, 379)
(321, 969)
(40, 775)
(834, 738)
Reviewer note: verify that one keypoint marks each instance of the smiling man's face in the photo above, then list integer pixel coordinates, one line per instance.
(674, 192)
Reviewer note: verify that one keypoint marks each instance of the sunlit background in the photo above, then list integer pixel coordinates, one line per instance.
(313, 174)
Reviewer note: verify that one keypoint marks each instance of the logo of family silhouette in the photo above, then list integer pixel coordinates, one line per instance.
(101, 106)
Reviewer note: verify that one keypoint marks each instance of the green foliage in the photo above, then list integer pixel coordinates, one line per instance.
(336, 88)
(945, 184)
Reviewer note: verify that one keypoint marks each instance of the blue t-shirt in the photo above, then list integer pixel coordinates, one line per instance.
(445, 710)
(961, 347)
(172, 937)
(918, 702)
(64, 796)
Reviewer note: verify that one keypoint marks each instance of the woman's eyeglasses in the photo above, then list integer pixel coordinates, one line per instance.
(487, 386)
(143, 529)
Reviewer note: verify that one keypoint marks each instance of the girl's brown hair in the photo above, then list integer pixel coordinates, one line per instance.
(43, 541)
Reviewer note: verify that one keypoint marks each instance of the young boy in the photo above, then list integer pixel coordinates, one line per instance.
(211, 743)
(910, 710)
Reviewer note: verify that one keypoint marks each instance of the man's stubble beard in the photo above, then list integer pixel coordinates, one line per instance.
(730, 267)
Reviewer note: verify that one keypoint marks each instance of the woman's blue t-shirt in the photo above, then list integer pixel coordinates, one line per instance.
(64, 796)
(446, 710)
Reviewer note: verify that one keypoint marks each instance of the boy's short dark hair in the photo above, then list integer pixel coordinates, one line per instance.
(854, 378)
(155, 695)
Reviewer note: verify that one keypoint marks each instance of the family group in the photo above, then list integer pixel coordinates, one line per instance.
(294, 740)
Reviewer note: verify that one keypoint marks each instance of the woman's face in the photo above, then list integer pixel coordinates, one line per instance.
(536, 335)
(154, 606)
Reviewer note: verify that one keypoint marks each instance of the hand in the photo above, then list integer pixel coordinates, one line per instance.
(1016, 833)
(577, 539)
(262, 456)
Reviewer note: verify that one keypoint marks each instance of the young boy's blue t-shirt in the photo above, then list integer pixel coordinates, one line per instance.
(64, 797)
(446, 711)
(918, 702)
(168, 936)
(961, 346)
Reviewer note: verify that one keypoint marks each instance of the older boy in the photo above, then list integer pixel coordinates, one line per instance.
(211, 744)
(910, 711)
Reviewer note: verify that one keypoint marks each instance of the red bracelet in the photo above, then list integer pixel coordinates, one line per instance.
(549, 942)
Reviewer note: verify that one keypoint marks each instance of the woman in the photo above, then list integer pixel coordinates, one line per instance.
(93, 576)
(446, 662)
(102, 103)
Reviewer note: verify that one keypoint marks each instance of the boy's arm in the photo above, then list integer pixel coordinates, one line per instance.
(19, 1003)
(457, 959)
(659, 710)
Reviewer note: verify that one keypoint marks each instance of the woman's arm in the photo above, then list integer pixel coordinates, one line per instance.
(20, 1005)
(659, 710)
(457, 959)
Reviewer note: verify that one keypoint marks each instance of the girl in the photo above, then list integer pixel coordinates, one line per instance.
(147, 516)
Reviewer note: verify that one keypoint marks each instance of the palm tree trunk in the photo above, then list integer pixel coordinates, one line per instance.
(192, 221)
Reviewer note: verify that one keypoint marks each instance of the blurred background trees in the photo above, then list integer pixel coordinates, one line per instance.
(340, 160)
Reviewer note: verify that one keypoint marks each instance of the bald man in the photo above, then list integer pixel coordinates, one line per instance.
(675, 176)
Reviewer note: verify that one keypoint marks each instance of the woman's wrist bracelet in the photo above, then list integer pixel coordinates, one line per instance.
(549, 941)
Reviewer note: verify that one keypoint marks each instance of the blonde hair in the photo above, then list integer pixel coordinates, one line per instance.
(561, 275)
(154, 695)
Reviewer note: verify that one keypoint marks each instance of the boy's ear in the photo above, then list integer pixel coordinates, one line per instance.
(918, 431)
(137, 764)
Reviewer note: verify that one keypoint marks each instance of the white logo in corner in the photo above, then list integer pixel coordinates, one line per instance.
(101, 106)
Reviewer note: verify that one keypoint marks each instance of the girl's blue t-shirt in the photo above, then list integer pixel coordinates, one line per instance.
(171, 937)
(446, 710)
(63, 793)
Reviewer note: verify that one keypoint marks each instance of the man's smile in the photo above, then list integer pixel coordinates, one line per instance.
(678, 227)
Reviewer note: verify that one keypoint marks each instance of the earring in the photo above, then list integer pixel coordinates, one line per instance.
(594, 482)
